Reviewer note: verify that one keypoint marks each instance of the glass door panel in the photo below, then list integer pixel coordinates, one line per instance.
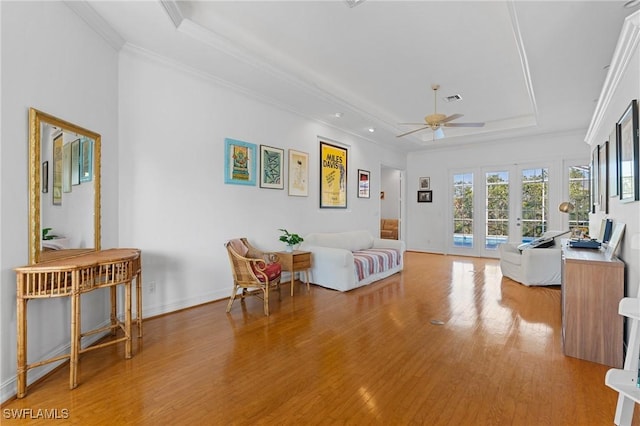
(580, 197)
(535, 202)
(463, 211)
(497, 201)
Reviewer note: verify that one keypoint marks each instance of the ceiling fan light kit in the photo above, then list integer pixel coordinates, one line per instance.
(436, 121)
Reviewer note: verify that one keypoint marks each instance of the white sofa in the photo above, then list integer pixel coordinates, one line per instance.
(338, 258)
(533, 266)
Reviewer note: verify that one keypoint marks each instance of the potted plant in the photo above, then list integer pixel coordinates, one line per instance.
(290, 239)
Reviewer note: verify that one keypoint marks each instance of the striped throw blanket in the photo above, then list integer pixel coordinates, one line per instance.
(373, 261)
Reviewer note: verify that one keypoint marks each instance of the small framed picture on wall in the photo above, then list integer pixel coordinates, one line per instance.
(363, 183)
(424, 183)
(425, 196)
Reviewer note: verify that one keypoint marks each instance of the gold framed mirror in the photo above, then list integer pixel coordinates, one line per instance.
(64, 188)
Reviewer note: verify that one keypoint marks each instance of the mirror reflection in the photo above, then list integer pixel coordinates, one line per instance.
(64, 188)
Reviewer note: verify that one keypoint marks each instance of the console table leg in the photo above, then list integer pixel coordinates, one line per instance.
(21, 319)
(75, 339)
(127, 319)
(139, 302)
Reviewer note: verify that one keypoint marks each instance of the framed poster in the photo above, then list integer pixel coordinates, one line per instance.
(425, 196)
(271, 167)
(333, 176)
(594, 179)
(603, 185)
(86, 160)
(424, 183)
(57, 170)
(298, 173)
(628, 153)
(239, 162)
(75, 162)
(613, 164)
(363, 183)
(45, 177)
(66, 168)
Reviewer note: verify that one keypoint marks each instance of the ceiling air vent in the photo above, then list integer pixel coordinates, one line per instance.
(452, 98)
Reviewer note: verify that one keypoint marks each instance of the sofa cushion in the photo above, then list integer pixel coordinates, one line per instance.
(350, 240)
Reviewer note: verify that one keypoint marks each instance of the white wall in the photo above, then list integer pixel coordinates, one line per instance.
(627, 89)
(427, 227)
(53, 61)
(173, 202)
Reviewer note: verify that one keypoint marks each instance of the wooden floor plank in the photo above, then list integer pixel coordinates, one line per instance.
(368, 356)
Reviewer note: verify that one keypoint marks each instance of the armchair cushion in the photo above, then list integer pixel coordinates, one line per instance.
(271, 270)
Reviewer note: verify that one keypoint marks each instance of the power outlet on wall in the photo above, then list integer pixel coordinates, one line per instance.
(151, 287)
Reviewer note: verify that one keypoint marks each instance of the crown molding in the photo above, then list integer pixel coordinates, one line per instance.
(97, 23)
(524, 61)
(173, 10)
(626, 48)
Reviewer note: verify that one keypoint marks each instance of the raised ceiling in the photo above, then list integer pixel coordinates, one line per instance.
(523, 67)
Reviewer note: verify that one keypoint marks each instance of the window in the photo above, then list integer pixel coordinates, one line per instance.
(463, 210)
(535, 202)
(496, 209)
(579, 196)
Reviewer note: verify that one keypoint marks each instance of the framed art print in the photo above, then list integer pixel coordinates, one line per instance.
(239, 162)
(333, 176)
(58, 162)
(86, 160)
(603, 186)
(425, 196)
(271, 167)
(45, 177)
(67, 167)
(75, 162)
(424, 183)
(628, 153)
(594, 179)
(298, 173)
(613, 164)
(363, 183)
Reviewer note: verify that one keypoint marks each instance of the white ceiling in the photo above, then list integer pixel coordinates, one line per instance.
(523, 67)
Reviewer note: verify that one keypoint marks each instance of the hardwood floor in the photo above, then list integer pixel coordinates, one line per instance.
(369, 356)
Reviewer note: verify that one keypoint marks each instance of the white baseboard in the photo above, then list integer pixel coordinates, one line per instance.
(152, 311)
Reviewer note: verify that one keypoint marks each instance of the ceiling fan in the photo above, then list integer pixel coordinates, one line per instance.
(436, 121)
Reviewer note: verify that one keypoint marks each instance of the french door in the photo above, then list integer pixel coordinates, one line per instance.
(493, 205)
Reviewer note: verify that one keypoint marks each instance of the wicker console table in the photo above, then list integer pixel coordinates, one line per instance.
(70, 278)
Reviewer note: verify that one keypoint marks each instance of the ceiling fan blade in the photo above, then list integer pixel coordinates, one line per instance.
(413, 124)
(412, 131)
(451, 117)
(438, 133)
(464, 124)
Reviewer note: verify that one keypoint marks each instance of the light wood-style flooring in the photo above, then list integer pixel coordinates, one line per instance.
(368, 356)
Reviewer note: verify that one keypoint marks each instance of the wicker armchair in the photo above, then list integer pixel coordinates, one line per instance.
(252, 269)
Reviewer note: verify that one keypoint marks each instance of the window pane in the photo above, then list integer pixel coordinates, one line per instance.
(535, 202)
(579, 196)
(497, 209)
(463, 210)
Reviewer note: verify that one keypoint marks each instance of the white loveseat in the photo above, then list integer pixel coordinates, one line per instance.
(533, 266)
(347, 260)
